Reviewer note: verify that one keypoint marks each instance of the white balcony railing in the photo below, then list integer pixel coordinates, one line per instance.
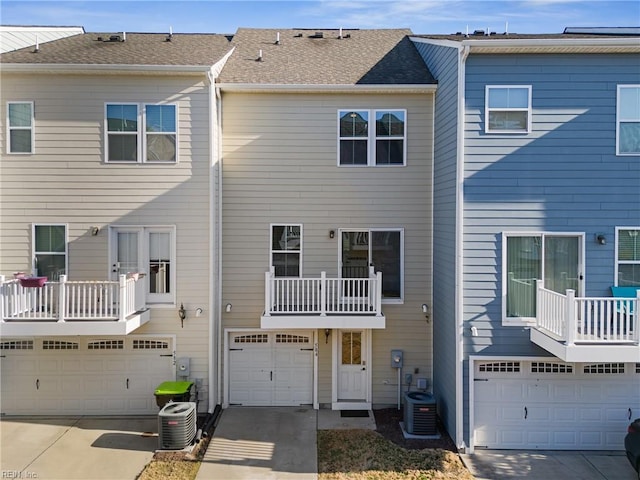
(323, 296)
(587, 320)
(76, 301)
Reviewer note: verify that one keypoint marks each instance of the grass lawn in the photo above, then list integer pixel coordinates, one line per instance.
(342, 455)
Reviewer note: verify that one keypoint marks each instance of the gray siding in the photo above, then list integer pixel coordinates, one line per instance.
(562, 177)
(280, 166)
(443, 63)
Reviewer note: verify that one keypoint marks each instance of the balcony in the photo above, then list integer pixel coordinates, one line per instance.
(581, 329)
(72, 308)
(323, 302)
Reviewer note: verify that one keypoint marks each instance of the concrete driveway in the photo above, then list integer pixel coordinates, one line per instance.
(547, 465)
(69, 448)
(263, 443)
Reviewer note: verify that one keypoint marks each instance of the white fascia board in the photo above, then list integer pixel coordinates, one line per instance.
(104, 68)
(343, 88)
(24, 28)
(554, 42)
(437, 42)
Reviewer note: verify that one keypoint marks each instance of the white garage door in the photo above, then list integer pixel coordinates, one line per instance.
(555, 406)
(83, 376)
(271, 368)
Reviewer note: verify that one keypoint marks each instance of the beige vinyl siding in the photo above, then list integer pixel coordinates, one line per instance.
(67, 181)
(280, 166)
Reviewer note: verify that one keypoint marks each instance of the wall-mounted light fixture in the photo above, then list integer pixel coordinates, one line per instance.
(425, 310)
(228, 307)
(182, 313)
(198, 312)
(94, 231)
(332, 233)
(327, 332)
(601, 239)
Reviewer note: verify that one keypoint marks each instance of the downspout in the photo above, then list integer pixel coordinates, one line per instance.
(463, 53)
(219, 249)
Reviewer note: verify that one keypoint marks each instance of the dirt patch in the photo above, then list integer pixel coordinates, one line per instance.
(388, 425)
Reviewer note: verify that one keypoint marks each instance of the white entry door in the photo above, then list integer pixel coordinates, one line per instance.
(352, 366)
(271, 368)
(554, 405)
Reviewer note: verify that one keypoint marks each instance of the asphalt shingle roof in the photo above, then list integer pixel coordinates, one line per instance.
(303, 57)
(137, 49)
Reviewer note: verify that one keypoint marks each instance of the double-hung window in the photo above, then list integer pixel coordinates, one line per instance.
(147, 250)
(20, 119)
(372, 145)
(528, 259)
(508, 109)
(141, 133)
(380, 248)
(628, 256)
(628, 120)
(286, 250)
(50, 251)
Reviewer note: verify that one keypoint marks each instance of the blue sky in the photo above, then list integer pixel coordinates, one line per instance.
(422, 16)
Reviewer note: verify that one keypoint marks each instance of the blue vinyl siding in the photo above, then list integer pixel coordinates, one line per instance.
(443, 62)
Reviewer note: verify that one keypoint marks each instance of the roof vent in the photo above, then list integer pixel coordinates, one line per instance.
(478, 32)
(317, 35)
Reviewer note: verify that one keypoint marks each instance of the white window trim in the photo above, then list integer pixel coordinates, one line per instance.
(153, 299)
(621, 262)
(141, 134)
(372, 137)
(398, 301)
(531, 321)
(30, 128)
(299, 252)
(619, 120)
(33, 245)
(529, 109)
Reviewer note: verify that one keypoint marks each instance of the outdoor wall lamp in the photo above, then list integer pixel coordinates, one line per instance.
(228, 307)
(601, 239)
(198, 312)
(327, 332)
(332, 233)
(94, 231)
(425, 310)
(182, 313)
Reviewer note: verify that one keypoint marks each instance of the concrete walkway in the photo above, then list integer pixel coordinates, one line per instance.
(263, 443)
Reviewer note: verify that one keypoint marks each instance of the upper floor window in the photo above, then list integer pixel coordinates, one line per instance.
(50, 251)
(508, 109)
(628, 256)
(286, 250)
(628, 120)
(383, 145)
(141, 135)
(20, 127)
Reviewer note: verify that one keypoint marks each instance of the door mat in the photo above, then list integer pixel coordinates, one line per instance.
(354, 413)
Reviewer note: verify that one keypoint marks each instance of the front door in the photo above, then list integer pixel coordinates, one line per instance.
(352, 366)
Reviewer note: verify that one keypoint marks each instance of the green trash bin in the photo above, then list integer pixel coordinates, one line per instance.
(173, 392)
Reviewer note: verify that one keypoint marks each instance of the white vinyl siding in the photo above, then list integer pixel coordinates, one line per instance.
(628, 120)
(141, 133)
(628, 257)
(20, 127)
(362, 143)
(507, 109)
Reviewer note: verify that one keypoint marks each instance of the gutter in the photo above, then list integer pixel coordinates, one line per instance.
(337, 88)
(116, 69)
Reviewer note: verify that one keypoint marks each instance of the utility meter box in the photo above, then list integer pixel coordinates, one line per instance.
(396, 358)
(183, 366)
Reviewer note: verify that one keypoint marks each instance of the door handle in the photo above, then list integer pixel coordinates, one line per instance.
(526, 412)
(364, 368)
(629, 417)
(271, 375)
(127, 384)
(37, 384)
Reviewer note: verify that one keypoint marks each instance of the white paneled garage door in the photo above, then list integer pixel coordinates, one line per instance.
(554, 405)
(83, 376)
(271, 368)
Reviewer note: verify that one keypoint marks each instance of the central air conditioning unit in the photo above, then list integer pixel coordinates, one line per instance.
(420, 414)
(177, 425)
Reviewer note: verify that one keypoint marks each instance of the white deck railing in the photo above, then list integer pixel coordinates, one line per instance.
(322, 295)
(603, 320)
(64, 300)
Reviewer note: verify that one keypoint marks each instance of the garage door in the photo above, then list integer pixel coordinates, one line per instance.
(271, 368)
(556, 406)
(90, 376)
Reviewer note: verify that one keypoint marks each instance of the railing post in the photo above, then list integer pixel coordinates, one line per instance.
(570, 311)
(323, 294)
(636, 318)
(2, 298)
(122, 307)
(539, 287)
(378, 294)
(267, 294)
(62, 298)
